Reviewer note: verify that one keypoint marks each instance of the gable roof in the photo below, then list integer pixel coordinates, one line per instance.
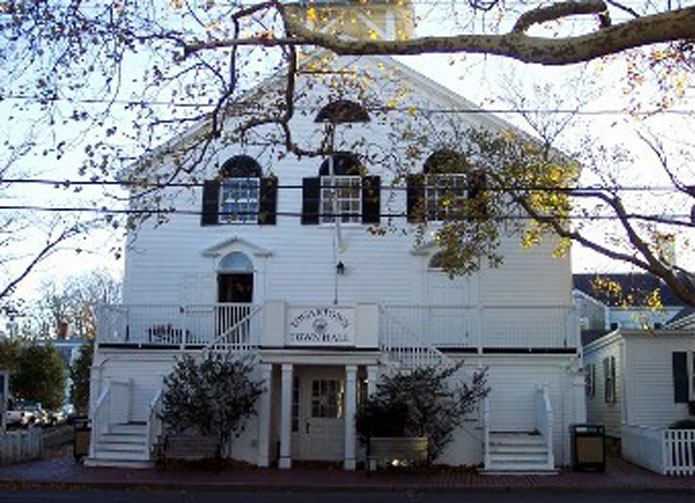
(638, 284)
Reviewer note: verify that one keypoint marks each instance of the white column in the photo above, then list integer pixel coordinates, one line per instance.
(350, 409)
(285, 460)
(372, 376)
(264, 415)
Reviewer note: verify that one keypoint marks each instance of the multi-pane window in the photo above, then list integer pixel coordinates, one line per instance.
(341, 197)
(239, 200)
(445, 195)
(326, 398)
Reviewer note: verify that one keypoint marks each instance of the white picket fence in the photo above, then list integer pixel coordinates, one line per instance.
(18, 446)
(669, 452)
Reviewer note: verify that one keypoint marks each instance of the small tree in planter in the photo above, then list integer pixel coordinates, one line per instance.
(426, 402)
(213, 397)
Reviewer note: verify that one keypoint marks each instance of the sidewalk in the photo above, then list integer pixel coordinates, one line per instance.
(64, 473)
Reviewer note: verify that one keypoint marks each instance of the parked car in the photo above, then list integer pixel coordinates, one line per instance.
(25, 413)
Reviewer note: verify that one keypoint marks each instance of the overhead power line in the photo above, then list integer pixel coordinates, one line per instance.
(175, 211)
(66, 183)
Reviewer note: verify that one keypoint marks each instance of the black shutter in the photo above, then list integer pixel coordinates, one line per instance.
(311, 199)
(371, 199)
(211, 202)
(680, 377)
(267, 209)
(416, 198)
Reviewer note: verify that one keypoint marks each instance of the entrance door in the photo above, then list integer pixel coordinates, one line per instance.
(321, 415)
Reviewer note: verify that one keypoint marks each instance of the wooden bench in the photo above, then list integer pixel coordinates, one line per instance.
(391, 448)
(187, 448)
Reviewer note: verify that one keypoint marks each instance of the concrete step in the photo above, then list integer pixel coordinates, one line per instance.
(517, 457)
(516, 439)
(131, 428)
(118, 463)
(122, 455)
(134, 438)
(122, 446)
(515, 448)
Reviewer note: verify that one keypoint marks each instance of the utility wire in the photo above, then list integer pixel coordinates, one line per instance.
(66, 183)
(174, 211)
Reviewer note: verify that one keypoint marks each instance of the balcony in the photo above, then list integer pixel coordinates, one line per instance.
(279, 324)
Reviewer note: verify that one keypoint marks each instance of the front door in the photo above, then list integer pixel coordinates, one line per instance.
(321, 423)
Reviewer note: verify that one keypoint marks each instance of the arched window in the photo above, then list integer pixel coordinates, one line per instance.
(343, 191)
(240, 194)
(235, 263)
(342, 112)
(444, 190)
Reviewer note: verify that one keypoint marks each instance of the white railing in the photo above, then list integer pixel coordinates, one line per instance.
(173, 325)
(242, 334)
(404, 346)
(665, 451)
(491, 326)
(486, 433)
(154, 420)
(544, 420)
(100, 419)
(679, 452)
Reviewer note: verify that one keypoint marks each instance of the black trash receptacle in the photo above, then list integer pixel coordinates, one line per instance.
(588, 447)
(82, 432)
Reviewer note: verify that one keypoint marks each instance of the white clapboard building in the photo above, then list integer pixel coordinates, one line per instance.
(268, 259)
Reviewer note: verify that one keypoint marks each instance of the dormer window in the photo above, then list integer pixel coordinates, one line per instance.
(240, 195)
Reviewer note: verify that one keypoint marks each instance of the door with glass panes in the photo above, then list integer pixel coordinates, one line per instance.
(320, 421)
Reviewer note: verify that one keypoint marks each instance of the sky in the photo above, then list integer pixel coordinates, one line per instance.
(479, 79)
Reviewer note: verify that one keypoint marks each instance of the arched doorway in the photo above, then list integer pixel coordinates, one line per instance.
(234, 293)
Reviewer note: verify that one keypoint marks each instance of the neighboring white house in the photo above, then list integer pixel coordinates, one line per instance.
(257, 262)
(639, 382)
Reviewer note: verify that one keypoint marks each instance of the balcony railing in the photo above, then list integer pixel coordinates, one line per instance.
(462, 327)
(171, 325)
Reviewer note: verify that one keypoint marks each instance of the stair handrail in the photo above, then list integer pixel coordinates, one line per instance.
(430, 354)
(99, 417)
(486, 433)
(154, 419)
(240, 349)
(544, 418)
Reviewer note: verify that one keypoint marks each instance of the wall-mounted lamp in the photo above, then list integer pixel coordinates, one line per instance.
(340, 268)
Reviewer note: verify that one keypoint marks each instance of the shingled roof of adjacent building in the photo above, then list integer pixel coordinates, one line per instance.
(638, 284)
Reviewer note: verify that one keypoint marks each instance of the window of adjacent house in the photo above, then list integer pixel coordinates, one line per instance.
(590, 379)
(609, 389)
(683, 376)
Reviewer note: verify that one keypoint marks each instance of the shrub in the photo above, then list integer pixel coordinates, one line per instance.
(215, 396)
(427, 401)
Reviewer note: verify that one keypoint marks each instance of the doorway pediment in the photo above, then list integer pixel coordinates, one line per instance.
(235, 243)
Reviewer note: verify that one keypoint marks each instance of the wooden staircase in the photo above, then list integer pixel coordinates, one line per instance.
(123, 445)
(518, 453)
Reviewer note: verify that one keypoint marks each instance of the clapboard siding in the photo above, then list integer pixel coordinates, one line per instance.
(598, 410)
(650, 374)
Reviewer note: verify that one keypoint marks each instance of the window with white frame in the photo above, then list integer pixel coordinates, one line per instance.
(445, 196)
(609, 384)
(239, 200)
(341, 197)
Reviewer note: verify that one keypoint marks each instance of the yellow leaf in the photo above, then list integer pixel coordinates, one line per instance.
(311, 14)
(412, 110)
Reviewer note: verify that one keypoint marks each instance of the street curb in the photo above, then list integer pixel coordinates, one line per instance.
(33, 485)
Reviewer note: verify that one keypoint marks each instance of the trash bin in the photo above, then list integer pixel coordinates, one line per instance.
(588, 447)
(82, 432)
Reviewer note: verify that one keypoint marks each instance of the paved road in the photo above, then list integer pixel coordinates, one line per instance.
(409, 497)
